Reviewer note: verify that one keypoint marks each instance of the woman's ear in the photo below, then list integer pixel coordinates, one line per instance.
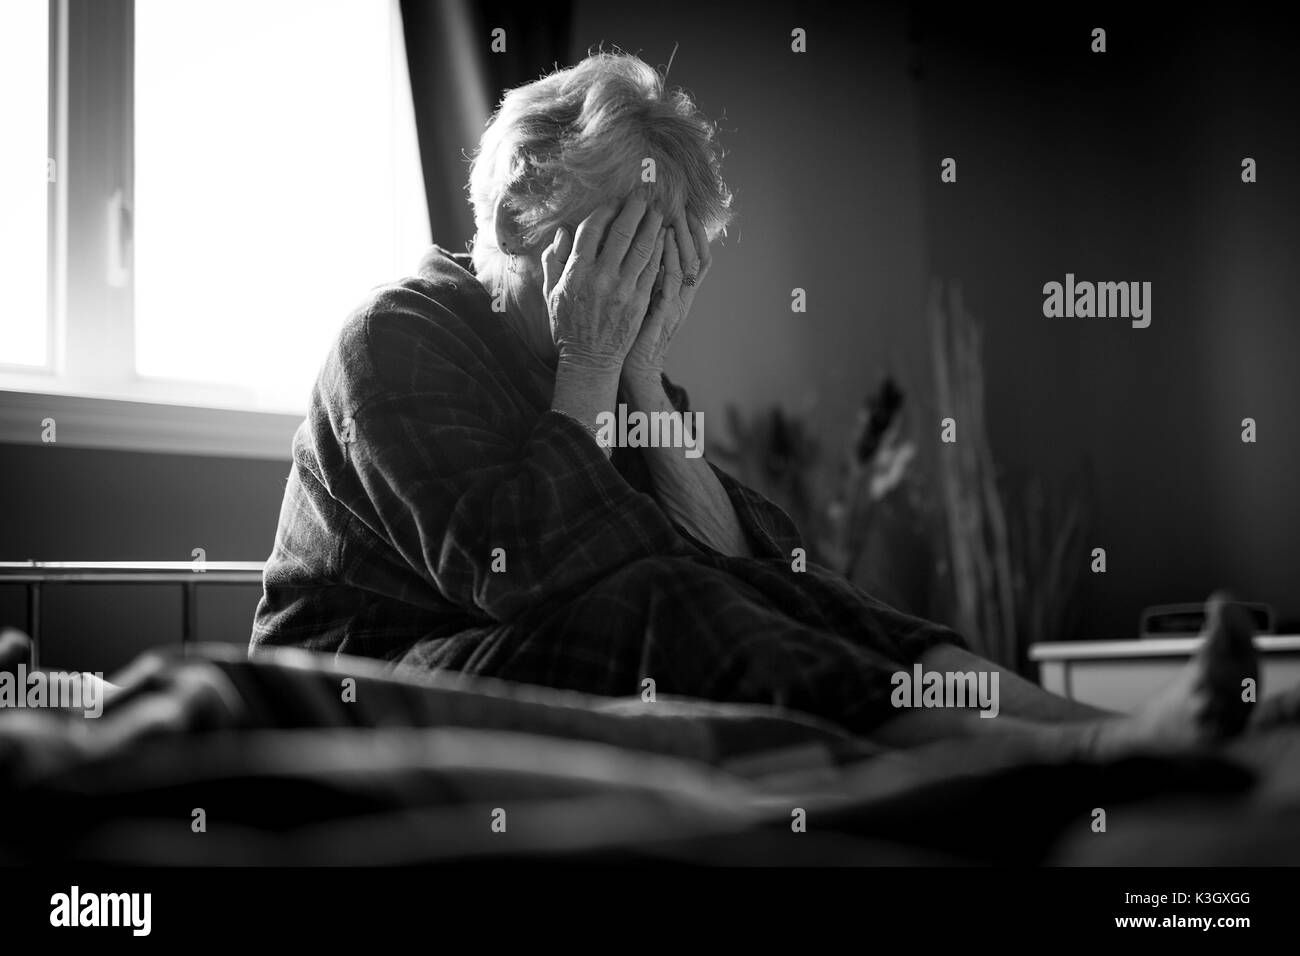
(507, 228)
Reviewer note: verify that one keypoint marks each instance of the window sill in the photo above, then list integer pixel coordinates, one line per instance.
(108, 423)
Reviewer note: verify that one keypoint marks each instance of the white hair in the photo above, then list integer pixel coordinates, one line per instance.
(558, 147)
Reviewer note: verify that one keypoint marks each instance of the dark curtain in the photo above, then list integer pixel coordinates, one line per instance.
(538, 35)
(456, 82)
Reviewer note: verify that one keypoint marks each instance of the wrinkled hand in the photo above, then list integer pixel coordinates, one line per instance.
(685, 253)
(598, 282)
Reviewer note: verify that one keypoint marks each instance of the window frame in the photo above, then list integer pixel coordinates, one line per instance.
(90, 386)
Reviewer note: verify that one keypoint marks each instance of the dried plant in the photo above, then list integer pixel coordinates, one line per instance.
(1050, 551)
(979, 547)
(775, 454)
(1008, 568)
(876, 465)
(1011, 580)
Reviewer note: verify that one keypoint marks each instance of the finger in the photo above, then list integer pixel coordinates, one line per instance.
(685, 245)
(701, 237)
(591, 230)
(645, 285)
(555, 258)
(671, 292)
(624, 229)
(672, 282)
(643, 246)
(650, 274)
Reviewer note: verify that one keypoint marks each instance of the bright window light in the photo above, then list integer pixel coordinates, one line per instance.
(277, 181)
(24, 180)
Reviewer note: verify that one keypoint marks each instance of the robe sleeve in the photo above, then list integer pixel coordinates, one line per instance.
(496, 517)
(771, 532)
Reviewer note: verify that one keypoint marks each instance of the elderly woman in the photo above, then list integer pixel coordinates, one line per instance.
(453, 503)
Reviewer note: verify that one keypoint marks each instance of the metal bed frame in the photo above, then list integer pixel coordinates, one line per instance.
(35, 576)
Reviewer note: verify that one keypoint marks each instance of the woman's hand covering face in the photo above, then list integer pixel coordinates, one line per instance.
(685, 254)
(598, 281)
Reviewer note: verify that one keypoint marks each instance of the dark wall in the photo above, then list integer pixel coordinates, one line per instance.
(1116, 166)
(66, 504)
(1127, 166)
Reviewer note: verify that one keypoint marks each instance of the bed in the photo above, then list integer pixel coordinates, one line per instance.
(204, 756)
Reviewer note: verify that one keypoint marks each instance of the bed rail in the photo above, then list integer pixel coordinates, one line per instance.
(36, 576)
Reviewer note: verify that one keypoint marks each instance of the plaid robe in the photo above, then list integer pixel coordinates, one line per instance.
(440, 515)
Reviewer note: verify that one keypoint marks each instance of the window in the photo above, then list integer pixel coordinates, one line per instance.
(276, 181)
(26, 177)
(239, 175)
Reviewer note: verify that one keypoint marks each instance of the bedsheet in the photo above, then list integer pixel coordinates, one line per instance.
(295, 758)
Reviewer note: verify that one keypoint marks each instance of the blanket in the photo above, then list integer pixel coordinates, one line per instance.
(296, 757)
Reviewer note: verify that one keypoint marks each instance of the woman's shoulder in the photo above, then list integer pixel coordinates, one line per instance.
(452, 270)
(442, 296)
(410, 334)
